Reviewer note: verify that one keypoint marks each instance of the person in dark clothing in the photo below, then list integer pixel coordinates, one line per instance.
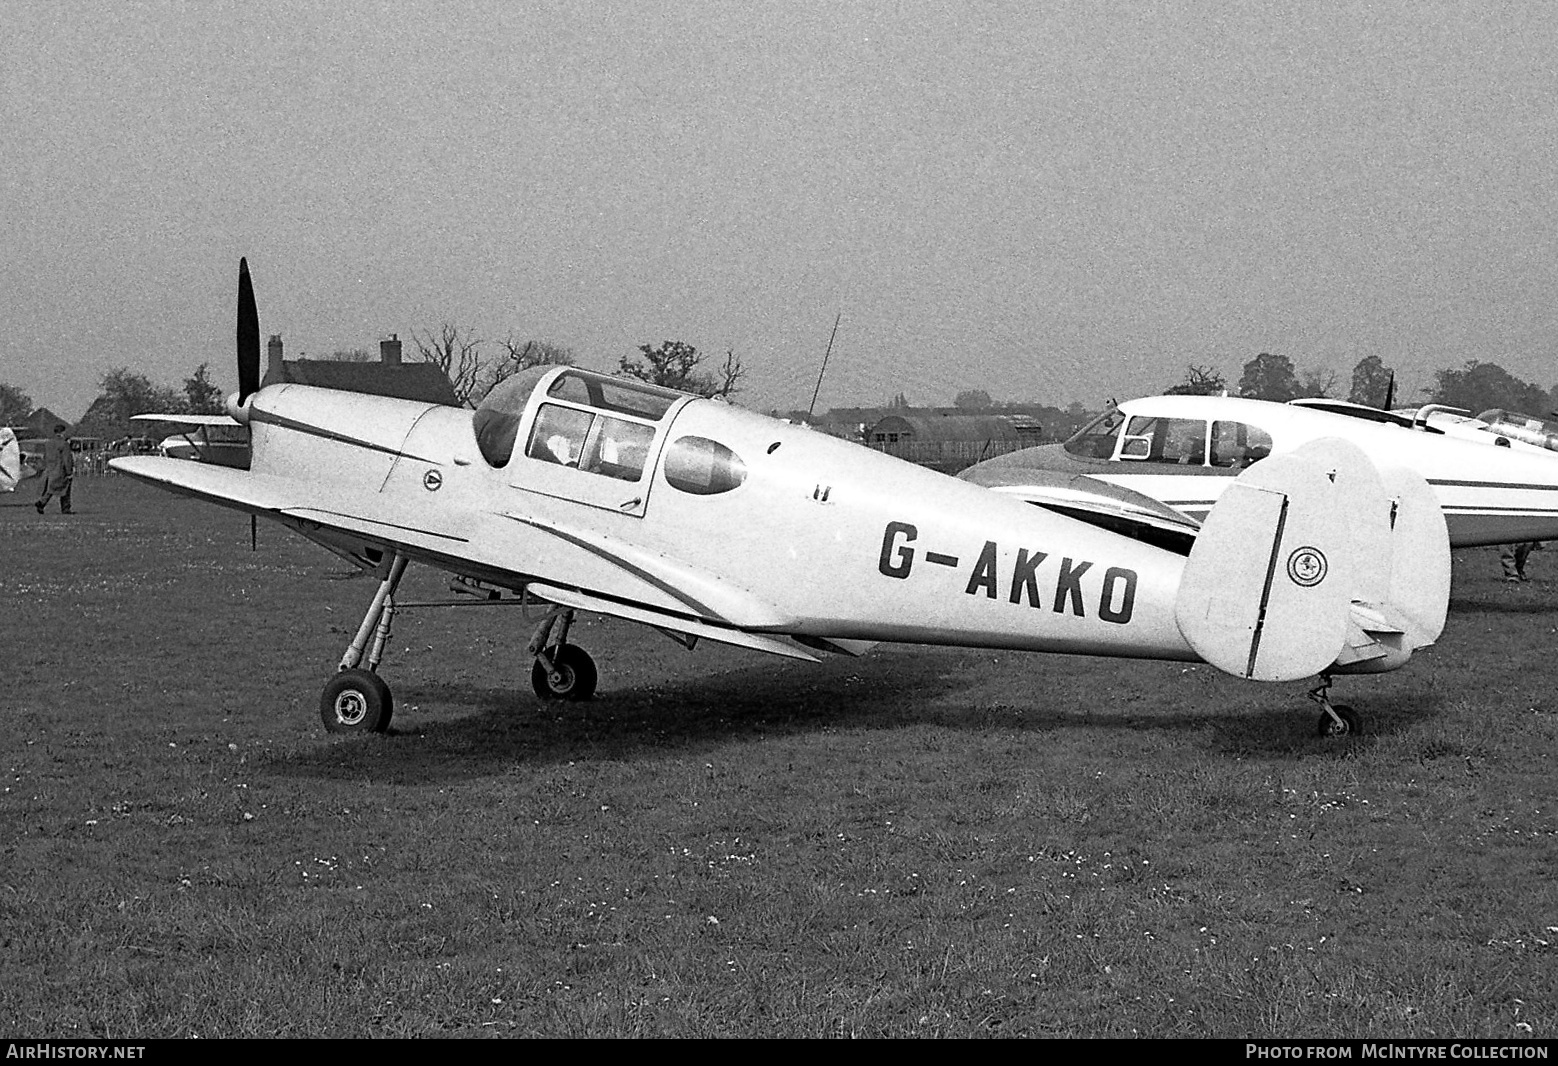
(59, 470)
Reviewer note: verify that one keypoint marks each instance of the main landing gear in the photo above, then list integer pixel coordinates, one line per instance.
(566, 671)
(357, 699)
(1336, 719)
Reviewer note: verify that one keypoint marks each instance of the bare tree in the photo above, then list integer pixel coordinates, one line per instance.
(519, 356)
(676, 364)
(1199, 381)
(456, 352)
(1320, 382)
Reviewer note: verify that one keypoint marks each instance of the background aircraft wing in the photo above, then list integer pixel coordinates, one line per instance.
(187, 420)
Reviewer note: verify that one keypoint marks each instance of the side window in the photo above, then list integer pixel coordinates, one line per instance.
(1235, 444)
(618, 448)
(702, 467)
(559, 434)
(1165, 440)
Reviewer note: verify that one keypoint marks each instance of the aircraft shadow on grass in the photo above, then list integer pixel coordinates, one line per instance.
(505, 727)
(1496, 604)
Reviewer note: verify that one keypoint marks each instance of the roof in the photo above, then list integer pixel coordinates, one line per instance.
(405, 381)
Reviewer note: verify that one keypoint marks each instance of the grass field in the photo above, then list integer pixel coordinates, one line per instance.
(920, 842)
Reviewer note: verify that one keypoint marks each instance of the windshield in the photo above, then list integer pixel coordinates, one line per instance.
(1096, 439)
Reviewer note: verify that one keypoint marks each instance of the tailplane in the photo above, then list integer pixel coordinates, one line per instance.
(1313, 562)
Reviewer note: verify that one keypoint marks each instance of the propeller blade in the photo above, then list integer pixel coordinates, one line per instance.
(248, 336)
(1390, 392)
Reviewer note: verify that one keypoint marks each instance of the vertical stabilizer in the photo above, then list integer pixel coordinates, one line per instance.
(1314, 557)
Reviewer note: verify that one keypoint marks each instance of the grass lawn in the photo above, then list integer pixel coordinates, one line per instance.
(919, 842)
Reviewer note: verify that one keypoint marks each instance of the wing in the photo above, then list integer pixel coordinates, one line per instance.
(608, 576)
(188, 420)
(1099, 503)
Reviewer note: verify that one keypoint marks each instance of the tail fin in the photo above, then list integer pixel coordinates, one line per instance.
(1313, 561)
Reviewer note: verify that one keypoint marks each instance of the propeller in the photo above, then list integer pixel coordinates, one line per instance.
(248, 336)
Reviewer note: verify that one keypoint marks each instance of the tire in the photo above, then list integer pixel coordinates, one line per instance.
(573, 677)
(356, 701)
(1351, 725)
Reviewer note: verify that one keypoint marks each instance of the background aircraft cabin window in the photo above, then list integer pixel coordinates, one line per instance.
(559, 434)
(1238, 445)
(1096, 439)
(611, 394)
(1165, 440)
(703, 467)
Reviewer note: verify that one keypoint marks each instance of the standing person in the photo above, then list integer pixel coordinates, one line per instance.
(1513, 558)
(59, 470)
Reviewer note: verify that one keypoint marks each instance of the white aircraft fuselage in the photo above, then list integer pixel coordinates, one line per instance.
(736, 526)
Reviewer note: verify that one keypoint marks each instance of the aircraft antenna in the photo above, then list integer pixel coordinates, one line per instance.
(1390, 392)
(824, 369)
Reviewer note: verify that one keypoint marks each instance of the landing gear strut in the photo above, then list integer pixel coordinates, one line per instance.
(1336, 719)
(357, 700)
(565, 671)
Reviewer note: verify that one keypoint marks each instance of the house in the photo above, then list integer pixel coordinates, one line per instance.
(388, 377)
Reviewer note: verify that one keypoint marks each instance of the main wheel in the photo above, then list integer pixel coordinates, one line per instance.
(572, 676)
(356, 701)
(1351, 724)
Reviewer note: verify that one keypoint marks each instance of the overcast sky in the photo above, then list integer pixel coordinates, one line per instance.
(1048, 201)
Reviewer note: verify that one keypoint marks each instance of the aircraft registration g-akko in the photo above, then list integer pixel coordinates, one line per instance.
(704, 520)
(1185, 451)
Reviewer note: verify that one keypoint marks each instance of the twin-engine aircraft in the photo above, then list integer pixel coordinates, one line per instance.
(703, 520)
(1185, 451)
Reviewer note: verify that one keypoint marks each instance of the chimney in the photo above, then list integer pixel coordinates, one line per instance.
(389, 351)
(273, 370)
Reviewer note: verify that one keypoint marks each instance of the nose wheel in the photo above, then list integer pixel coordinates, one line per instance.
(1336, 719)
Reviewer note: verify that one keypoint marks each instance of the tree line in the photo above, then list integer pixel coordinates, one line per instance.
(1475, 387)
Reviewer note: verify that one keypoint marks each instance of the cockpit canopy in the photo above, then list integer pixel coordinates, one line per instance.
(1516, 426)
(600, 425)
(564, 433)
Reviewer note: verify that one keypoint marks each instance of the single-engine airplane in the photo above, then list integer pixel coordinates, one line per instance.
(701, 519)
(1185, 451)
